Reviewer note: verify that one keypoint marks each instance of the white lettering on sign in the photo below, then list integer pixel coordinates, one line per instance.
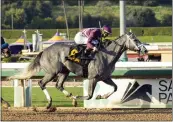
(165, 91)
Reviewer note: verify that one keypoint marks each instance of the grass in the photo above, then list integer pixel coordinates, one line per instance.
(148, 39)
(152, 39)
(39, 99)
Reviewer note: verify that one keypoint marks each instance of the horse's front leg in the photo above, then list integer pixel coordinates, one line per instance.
(111, 83)
(91, 88)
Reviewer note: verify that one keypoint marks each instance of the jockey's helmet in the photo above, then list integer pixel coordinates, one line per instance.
(107, 29)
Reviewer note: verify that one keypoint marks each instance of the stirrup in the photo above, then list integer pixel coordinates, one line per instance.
(89, 57)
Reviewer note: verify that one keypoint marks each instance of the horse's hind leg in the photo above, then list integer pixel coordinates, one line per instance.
(47, 78)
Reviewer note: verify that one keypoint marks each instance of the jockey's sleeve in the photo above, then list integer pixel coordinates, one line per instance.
(95, 34)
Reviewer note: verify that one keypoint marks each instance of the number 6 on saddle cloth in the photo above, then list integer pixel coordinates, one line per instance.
(75, 53)
(78, 54)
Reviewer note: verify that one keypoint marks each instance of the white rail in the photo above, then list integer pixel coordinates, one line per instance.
(118, 65)
(143, 65)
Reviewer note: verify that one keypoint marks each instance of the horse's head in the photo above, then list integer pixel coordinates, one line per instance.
(5, 52)
(133, 43)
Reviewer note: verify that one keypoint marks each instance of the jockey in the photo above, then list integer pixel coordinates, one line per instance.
(3, 44)
(92, 37)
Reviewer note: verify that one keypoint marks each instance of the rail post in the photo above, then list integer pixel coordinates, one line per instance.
(34, 42)
(22, 93)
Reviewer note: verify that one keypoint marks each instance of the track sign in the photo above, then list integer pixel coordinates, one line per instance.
(132, 93)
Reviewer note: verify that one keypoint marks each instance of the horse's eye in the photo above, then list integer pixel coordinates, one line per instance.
(136, 40)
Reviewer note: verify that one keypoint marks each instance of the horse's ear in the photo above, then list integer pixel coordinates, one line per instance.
(128, 32)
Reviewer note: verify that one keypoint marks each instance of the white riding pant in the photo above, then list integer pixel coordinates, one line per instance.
(82, 39)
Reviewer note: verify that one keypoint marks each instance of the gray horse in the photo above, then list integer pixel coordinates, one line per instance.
(52, 60)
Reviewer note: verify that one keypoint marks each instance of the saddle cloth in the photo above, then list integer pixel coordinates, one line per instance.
(77, 55)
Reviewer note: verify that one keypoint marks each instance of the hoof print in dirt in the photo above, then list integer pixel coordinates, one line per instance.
(51, 109)
(35, 109)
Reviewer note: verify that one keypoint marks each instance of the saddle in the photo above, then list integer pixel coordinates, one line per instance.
(78, 55)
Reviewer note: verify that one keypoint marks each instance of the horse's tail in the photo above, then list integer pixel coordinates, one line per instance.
(32, 68)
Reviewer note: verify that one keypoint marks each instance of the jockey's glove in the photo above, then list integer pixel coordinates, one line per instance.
(95, 49)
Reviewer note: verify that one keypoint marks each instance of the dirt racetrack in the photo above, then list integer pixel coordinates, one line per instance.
(80, 114)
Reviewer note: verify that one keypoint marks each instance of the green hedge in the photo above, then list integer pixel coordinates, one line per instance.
(48, 33)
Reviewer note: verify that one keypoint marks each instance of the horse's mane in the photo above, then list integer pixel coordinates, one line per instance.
(107, 42)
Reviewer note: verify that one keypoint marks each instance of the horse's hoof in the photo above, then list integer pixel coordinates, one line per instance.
(69, 95)
(8, 105)
(73, 97)
(98, 97)
(105, 96)
(4, 106)
(74, 103)
(49, 105)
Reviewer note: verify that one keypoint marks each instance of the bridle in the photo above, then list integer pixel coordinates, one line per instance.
(130, 39)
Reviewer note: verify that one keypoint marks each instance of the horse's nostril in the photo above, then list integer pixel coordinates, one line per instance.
(146, 51)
